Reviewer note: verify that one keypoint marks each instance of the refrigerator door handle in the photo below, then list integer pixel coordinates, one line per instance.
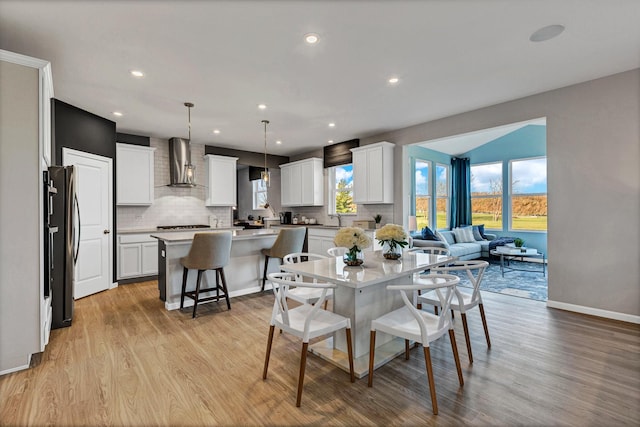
(77, 250)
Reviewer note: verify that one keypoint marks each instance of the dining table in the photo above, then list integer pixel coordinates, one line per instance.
(361, 294)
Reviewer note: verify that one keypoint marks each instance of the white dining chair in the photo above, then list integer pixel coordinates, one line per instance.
(419, 326)
(464, 301)
(304, 321)
(432, 250)
(302, 294)
(337, 251)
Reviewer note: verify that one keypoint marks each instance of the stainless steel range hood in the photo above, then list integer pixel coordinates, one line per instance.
(181, 171)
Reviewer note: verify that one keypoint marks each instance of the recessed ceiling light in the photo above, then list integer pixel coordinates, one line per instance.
(393, 80)
(330, 141)
(311, 38)
(137, 73)
(546, 33)
(117, 113)
(262, 106)
(216, 131)
(332, 125)
(278, 142)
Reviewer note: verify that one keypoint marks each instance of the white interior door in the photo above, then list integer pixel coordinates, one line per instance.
(93, 187)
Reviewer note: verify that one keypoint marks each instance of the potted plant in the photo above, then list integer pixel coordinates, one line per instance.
(355, 239)
(519, 243)
(393, 238)
(377, 218)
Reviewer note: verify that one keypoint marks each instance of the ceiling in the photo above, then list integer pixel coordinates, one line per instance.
(227, 57)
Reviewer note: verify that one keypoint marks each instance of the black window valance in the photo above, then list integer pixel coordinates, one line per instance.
(340, 153)
(255, 173)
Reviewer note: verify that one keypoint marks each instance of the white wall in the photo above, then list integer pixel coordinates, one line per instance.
(593, 150)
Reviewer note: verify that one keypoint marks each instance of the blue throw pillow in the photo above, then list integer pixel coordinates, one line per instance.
(481, 230)
(427, 234)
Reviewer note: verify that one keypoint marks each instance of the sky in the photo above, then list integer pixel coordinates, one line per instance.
(529, 176)
(344, 172)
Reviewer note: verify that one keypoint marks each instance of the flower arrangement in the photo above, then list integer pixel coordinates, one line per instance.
(394, 237)
(355, 239)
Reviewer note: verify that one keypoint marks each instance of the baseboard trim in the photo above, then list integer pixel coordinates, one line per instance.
(594, 311)
(188, 302)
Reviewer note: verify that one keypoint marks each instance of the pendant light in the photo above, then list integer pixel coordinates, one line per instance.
(189, 168)
(264, 175)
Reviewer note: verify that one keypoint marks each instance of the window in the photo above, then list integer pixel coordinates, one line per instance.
(422, 200)
(259, 194)
(529, 194)
(341, 190)
(486, 195)
(442, 196)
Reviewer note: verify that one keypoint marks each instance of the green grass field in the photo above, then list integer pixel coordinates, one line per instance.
(535, 223)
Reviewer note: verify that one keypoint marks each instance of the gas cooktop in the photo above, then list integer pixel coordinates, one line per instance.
(181, 227)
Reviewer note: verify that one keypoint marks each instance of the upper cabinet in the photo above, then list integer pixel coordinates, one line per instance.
(373, 173)
(301, 183)
(221, 180)
(134, 175)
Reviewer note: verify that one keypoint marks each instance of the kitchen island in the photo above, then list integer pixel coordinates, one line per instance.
(243, 273)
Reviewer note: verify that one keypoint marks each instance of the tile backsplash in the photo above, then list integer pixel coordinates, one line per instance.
(173, 205)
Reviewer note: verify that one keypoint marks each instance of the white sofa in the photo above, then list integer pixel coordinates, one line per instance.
(464, 251)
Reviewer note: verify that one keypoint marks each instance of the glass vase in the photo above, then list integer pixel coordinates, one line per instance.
(390, 251)
(353, 257)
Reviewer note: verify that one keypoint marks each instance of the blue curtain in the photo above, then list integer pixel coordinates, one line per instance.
(460, 193)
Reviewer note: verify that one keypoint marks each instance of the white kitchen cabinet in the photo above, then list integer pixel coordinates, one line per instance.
(301, 183)
(373, 173)
(134, 175)
(137, 256)
(221, 180)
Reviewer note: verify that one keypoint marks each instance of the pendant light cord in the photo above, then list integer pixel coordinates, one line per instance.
(266, 122)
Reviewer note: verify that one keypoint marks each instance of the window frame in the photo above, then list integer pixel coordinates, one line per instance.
(447, 197)
(255, 184)
(511, 195)
(414, 206)
(332, 190)
(491, 196)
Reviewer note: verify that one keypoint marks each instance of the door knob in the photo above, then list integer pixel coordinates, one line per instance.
(106, 232)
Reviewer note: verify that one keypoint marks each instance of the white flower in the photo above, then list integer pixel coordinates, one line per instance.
(352, 237)
(393, 235)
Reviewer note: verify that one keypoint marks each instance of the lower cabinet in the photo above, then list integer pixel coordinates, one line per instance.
(321, 239)
(137, 256)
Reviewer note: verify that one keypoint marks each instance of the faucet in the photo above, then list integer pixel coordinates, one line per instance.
(339, 218)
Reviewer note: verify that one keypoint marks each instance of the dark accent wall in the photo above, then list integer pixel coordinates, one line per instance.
(249, 158)
(128, 138)
(81, 130)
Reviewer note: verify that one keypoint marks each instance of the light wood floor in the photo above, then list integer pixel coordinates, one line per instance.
(128, 361)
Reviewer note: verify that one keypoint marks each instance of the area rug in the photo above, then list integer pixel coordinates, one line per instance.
(525, 284)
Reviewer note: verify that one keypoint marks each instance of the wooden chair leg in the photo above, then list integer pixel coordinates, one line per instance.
(372, 349)
(435, 309)
(195, 300)
(432, 386)
(456, 356)
(406, 349)
(484, 325)
(303, 364)
(264, 274)
(217, 284)
(466, 335)
(419, 305)
(350, 353)
(266, 358)
(185, 273)
(223, 280)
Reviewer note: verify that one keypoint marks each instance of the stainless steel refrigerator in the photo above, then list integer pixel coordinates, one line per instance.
(65, 215)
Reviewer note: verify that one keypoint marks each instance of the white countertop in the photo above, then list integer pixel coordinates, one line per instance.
(155, 230)
(237, 234)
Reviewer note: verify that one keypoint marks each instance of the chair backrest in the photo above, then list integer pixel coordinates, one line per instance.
(289, 240)
(280, 284)
(433, 250)
(301, 257)
(337, 251)
(475, 271)
(444, 286)
(209, 251)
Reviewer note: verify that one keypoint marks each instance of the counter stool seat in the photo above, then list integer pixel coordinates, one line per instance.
(209, 251)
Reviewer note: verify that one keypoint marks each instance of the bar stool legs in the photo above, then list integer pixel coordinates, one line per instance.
(221, 285)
